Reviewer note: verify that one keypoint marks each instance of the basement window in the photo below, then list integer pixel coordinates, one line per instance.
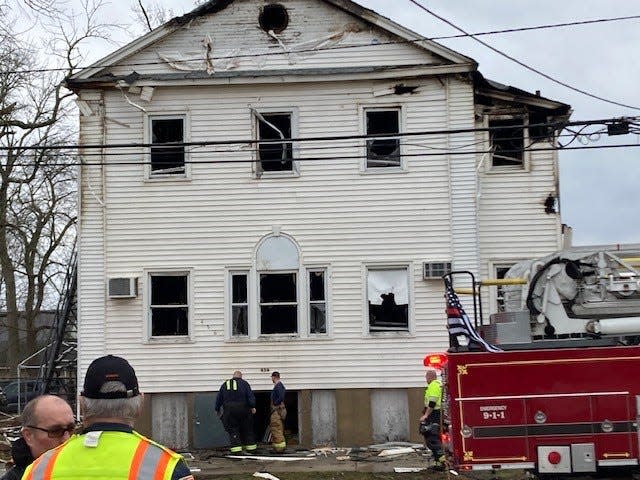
(278, 293)
(508, 137)
(273, 17)
(239, 304)
(388, 299)
(276, 153)
(169, 308)
(167, 150)
(383, 152)
(317, 302)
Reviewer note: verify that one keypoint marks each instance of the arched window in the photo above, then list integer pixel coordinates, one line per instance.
(277, 268)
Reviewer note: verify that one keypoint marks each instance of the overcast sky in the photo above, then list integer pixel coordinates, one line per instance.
(599, 189)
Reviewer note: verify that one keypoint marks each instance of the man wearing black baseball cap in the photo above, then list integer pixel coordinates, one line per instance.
(108, 447)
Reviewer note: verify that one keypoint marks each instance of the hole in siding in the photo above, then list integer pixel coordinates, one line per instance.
(273, 17)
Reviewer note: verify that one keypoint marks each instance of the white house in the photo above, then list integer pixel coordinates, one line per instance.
(237, 214)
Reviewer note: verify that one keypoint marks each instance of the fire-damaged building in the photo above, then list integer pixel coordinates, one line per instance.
(280, 186)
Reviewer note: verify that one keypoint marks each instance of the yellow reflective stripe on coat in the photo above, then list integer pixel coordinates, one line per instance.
(117, 455)
(232, 384)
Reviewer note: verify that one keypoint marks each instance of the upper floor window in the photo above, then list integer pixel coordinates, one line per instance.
(169, 304)
(167, 151)
(388, 299)
(508, 139)
(276, 154)
(317, 302)
(239, 304)
(383, 152)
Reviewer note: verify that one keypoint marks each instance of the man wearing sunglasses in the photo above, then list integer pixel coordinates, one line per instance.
(108, 446)
(47, 421)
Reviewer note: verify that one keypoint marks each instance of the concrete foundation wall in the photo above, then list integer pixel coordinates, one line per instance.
(323, 417)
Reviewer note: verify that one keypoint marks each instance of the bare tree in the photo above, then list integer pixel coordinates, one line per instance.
(37, 175)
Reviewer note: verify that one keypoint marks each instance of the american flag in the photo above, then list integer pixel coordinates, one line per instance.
(458, 325)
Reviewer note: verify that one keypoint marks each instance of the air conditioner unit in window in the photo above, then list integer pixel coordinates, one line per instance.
(123, 287)
(435, 270)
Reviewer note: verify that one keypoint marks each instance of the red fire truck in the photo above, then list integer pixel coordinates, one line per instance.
(563, 395)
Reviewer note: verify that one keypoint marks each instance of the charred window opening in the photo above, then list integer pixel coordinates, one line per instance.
(317, 302)
(275, 156)
(383, 152)
(239, 305)
(507, 142)
(169, 305)
(278, 303)
(273, 17)
(167, 151)
(388, 299)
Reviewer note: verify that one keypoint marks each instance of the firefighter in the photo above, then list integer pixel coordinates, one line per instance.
(430, 419)
(278, 414)
(108, 447)
(236, 405)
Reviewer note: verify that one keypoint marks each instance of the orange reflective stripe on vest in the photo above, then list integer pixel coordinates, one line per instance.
(149, 462)
(43, 466)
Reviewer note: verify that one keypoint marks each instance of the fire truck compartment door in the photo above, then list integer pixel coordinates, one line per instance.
(556, 459)
(614, 425)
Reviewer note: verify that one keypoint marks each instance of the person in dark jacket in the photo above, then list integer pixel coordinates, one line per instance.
(236, 405)
(47, 421)
(278, 414)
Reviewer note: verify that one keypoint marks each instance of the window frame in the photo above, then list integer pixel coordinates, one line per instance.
(365, 168)
(148, 126)
(260, 304)
(408, 268)
(149, 338)
(231, 303)
(258, 172)
(524, 166)
(309, 302)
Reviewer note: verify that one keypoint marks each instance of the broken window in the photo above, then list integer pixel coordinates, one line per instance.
(167, 151)
(383, 152)
(388, 299)
(169, 304)
(317, 302)
(239, 305)
(275, 155)
(278, 303)
(507, 142)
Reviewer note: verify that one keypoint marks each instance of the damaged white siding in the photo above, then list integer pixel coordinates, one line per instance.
(318, 36)
(340, 217)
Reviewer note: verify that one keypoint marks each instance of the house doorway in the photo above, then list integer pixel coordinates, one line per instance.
(261, 419)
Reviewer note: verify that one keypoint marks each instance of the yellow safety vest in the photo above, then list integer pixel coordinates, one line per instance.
(116, 455)
(433, 390)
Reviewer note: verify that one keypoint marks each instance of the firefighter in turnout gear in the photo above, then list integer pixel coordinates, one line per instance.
(236, 405)
(108, 447)
(278, 414)
(430, 419)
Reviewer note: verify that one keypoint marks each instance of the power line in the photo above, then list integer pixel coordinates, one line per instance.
(346, 47)
(91, 163)
(250, 141)
(513, 59)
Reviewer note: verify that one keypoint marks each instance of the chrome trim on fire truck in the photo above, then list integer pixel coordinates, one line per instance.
(551, 395)
(503, 466)
(583, 428)
(617, 462)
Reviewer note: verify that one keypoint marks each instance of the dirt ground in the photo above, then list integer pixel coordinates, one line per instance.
(330, 464)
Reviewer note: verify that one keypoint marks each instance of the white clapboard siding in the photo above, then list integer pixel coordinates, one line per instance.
(340, 217)
(238, 43)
